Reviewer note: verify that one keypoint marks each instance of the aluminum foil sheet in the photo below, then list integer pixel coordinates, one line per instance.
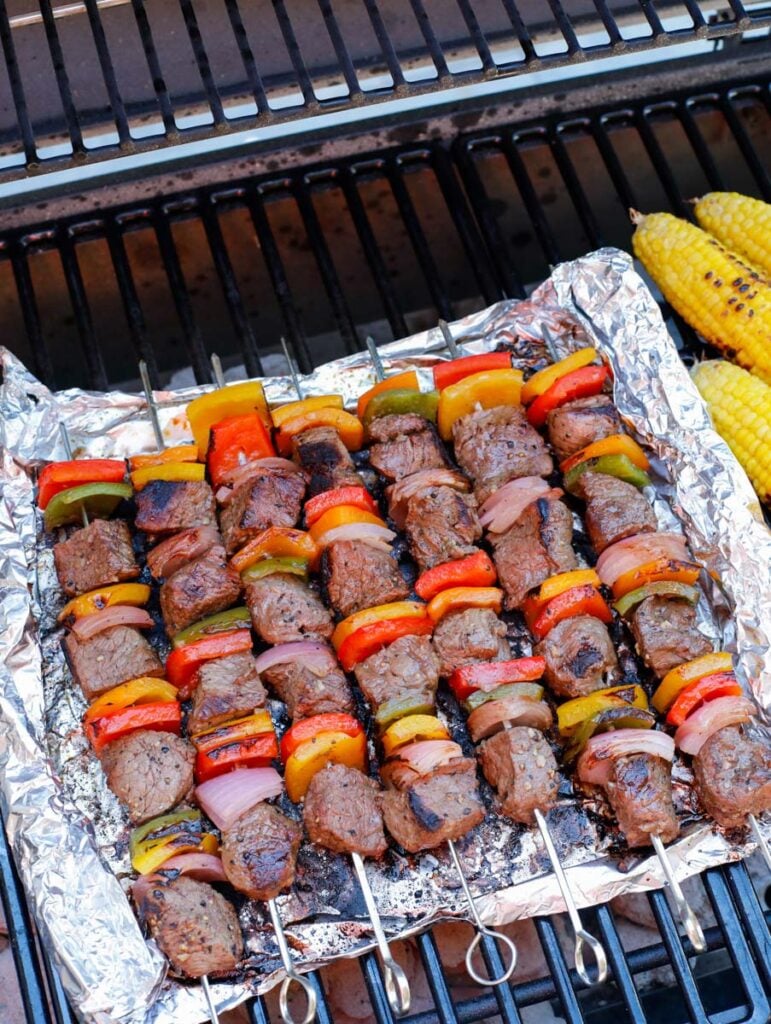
(69, 834)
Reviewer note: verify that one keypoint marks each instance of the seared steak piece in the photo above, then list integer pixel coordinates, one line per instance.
(640, 793)
(666, 634)
(579, 655)
(200, 588)
(537, 546)
(441, 525)
(111, 657)
(284, 608)
(468, 636)
(180, 548)
(149, 772)
(408, 667)
(358, 575)
(306, 694)
(342, 812)
(403, 445)
(266, 499)
(733, 773)
(496, 445)
(614, 510)
(577, 424)
(165, 506)
(326, 459)
(194, 926)
(520, 765)
(225, 688)
(95, 556)
(259, 852)
(398, 495)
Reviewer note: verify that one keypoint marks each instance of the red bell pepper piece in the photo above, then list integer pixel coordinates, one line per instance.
(254, 752)
(309, 728)
(488, 675)
(450, 372)
(357, 497)
(720, 684)
(589, 380)
(183, 663)
(235, 441)
(586, 600)
(160, 717)
(475, 570)
(370, 639)
(60, 476)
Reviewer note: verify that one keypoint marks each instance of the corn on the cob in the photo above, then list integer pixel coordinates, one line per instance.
(723, 298)
(740, 223)
(740, 407)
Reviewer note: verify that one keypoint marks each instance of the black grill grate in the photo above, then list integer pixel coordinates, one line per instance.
(387, 244)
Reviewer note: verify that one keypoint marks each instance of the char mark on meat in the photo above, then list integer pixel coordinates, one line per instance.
(266, 499)
(469, 636)
(94, 556)
(537, 546)
(225, 688)
(343, 813)
(732, 772)
(577, 424)
(579, 656)
(520, 765)
(358, 575)
(259, 852)
(403, 445)
(203, 587)
(640, 793)
(441, 525)
(149, 772)
(166, 506)
(284, 608)
(305, 693)
(408, 667)
(113, 656)
(666, 633)
(614, 510)
(326, 460)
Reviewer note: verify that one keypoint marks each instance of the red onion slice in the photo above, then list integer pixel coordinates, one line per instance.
(491, 717)
(709, 718)
(368, 533)
(206, 867)
(241, 474)
(316, 657)
(503, 509)
(596, 760)
(400, 493)
(170, 555)
(225, 798)
(416, 759)
(631, 552)
(106, 618)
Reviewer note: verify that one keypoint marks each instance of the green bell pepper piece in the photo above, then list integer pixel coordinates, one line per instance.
(604, 721)
(530, 691)
(162, 827)
(268, 566)
(224, 622)
(399, 707)
(400, 401)
(612, 465)
(99, 500)
(661, 588)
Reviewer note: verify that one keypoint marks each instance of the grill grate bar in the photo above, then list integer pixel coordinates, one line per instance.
(373, 979)
(295, 55)
(160, 90)
(761, 173)
(62, 80)
(677, 956)
(619, 965)
(92, 351)
(202, 60)
(503, 994)
(386, 45)
(559, 970)
(131, 304)
(751, 914)
(432, 964)
(17, 90)
(108, 74)
(341, 50)
(247, 56)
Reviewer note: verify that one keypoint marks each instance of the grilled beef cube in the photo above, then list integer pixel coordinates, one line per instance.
(614, 510)
(166, 506)
(408, 667)
(111, 657)
(149, 772)
(284, 608)
(404, 444)
(577, 424)
(200, 588)
(194, 926)
(326, 460)
(95, 556)
(579, 655)
(171, 554)
(259, 852)
(537, 546)
(520, 765)
(496, 445)
(441, 525)
(359, 575)
(437, 807)
(267, 499)
(398, 495)
(343, 812)
(225, 688)
(306, 694)
(666, 633)
(733, 773)
(468, 636)
(640, 793)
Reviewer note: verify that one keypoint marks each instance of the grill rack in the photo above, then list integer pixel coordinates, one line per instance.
(500, 258)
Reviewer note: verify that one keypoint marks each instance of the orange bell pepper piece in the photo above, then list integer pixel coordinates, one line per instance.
(408, 379)
(348, 427)
(168, 471)
(178, 453)
(486, 390)
(689, 672)
(277, 542)
(456, 598)
(586, 600)
(342, 515)
(133, 594)
(410, 730)
(232, 400)
(475, 570)
(378, 613)
(616, 444)
(316, 753)
(553, 587)
(292, 410)
(669, 569)
(540, 382)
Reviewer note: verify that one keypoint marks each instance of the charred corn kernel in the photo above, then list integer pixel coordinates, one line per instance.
(723, 298)
(740, 223)
(740, 407)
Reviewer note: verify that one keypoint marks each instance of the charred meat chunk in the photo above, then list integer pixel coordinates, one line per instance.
(398, 495)
(441, 525)
(359, 575)
(733, 773)
(640, 792)
(111, 657)
(666, 633)
(325, 459)
(468, 636)
(577, 424)
(496, 445)
(305, 693)
(259, 852)
(149, 772)
(537, 546)
(408, 667)
(200, 588)
(403, 445)
(579, 655)
(614, 510)
(284, 608)
(267, 499)
(165, 506)
(193, 925)
(520, 765)
(342, 812)
(225, 688)
(95, 556)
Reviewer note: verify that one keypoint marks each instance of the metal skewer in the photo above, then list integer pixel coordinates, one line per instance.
(68, 452)
(688, 918)
(761, 839)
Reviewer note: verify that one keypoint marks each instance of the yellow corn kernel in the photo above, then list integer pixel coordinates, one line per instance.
(739, 223)
(724, 299)
(740, 407)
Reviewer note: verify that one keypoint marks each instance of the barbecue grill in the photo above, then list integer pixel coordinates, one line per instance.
(180, 177)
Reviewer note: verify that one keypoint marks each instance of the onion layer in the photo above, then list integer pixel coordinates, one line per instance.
(206, 867)
(172, 554)
(416, 759)
(400, 493)
(368, 533)
(225, 798)
(106, 618)
(628, 554)
(311, 654)
(596, 760)
(491, 717)
(503, 508)
(709, 718)
(233, 480)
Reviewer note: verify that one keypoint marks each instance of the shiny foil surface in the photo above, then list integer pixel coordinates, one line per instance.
(69, 833)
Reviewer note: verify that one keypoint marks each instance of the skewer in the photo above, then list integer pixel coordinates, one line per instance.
(68, 452)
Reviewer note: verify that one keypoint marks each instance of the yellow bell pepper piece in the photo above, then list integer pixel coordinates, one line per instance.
(293, 409)
(410, 730)
(153, 855)
(563, 581)
(456, 598)
(485, 390)
(168, 471)
(689, 672)
(134, 594)
(540, 382)
(233, 400)
(378, 613)
(573, 713)
(178, 453)
(144, 690)
(348, 428)
(316, 753)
